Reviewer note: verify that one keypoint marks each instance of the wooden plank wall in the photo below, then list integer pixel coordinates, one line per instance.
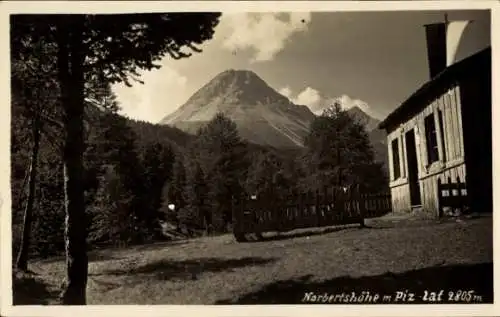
(450, 105)
(401, 198)
(429, 186)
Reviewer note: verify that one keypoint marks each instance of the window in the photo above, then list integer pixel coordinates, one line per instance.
(395, 159)
(431, 139)
(441, 125)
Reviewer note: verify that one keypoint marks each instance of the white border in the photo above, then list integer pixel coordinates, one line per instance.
(8, 7)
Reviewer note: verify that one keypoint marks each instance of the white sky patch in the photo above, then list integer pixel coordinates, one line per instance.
(347, 103)
(317, 102)
(266, 34)
(286, 91)
(309, 97)
(163, 89)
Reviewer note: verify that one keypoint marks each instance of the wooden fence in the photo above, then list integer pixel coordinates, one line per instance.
(452, 196)
(329, 207)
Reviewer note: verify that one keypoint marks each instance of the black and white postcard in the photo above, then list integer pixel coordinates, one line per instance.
(248, 158)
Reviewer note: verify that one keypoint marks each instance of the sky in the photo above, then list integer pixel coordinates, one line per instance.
(371, 59)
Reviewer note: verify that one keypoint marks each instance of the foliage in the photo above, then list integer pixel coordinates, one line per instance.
(133, 170)
(32, 87)
(176, 194)
(112, 220)
(268, 175)
(113, 144)
(103, 49)
(117, 46)
(157, 162)
(197, 193)
(130, 171)
(339, 152)
(222, 155)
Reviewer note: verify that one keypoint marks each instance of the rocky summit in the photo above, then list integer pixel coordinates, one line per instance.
(262, 115)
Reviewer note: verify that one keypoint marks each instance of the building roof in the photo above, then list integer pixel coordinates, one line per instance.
(419, 99)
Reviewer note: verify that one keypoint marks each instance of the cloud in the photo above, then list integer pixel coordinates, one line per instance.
(163, 90)
(347, 103)
(264, 33)
(309, 97)
(286, 91)
(261, 35)
(318, 102)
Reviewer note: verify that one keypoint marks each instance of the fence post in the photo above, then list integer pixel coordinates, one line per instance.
(325, 206)
(361, 206)
(291, 209)
(233, 212)
(388, 202)
(463, 197)
(237, 214)
(298, 205)
(338, 204)
(309, 211)
(350, 198)
(319, 216)
(439, 197)
(333, 200)
(277, 210)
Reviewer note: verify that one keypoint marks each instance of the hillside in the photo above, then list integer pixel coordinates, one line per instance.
(262, 115)
(362, 117)
(377, 137)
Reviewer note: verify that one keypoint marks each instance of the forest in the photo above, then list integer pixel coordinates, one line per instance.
(79, 170)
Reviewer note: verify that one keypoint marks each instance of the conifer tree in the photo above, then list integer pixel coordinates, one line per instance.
(224, 159)
(198, 198)
(339, 152)
(96, 46)
(175, 194)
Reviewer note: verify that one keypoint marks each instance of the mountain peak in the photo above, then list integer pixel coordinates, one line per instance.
(238, 73)
(359, 114)
(263, 115)
(357, 110)
(225, 92)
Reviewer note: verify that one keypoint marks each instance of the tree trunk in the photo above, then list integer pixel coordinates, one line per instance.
(206, 220)
(70, 62)
(339, 175)
(22, 258)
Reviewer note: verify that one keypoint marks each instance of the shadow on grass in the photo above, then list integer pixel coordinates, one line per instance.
(313, 231)
(159, 245)
(92, 256)
(476, 277)
(419, 220)
(107, 253)
(28, 290)
(375, 221)
(188, 269)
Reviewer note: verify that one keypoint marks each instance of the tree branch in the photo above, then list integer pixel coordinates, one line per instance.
(52, 121)
(52, 140)
(194, 48)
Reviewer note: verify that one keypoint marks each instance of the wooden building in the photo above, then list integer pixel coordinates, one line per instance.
(443, 130)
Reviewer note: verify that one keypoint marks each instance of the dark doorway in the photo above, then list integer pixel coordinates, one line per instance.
(411, 156)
